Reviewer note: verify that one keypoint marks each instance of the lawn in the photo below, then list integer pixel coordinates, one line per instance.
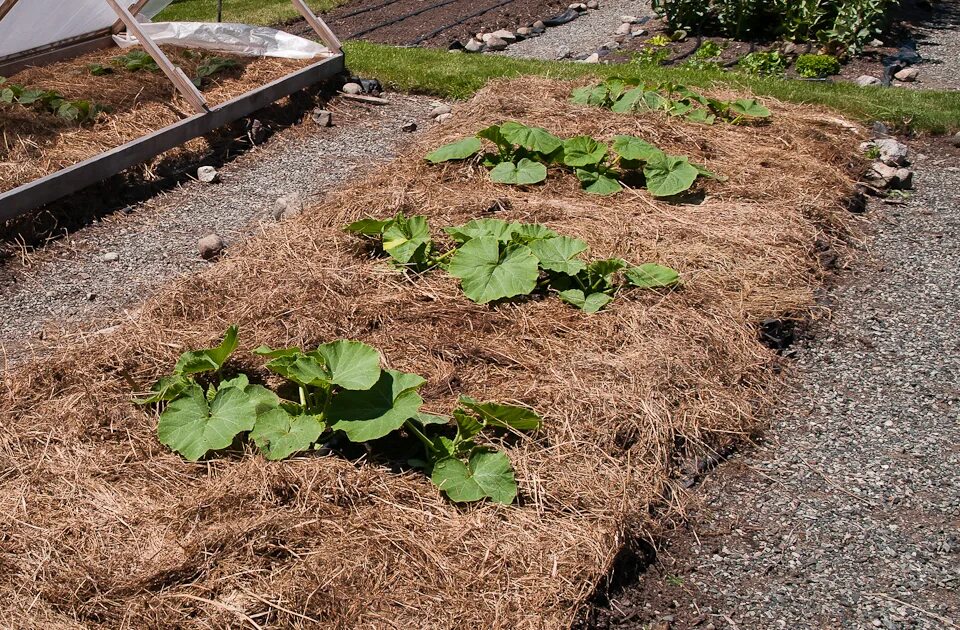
(245, 11)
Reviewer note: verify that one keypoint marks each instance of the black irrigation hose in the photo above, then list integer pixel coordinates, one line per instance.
(686, 55)
(406, 16)
(436, 32)
(366, 10)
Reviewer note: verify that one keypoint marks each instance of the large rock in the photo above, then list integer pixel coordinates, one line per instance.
(629, 19)
(439, 110)
(892, 152)
(563, 51)
(524, 31)
(624, 28)
(593, 4)
(322, 117)
(210, 246)
(539, 26)
(903, 179)
(866, 79)
(594, 58)
(907, 75)
(473, 46)
(505, 35)
(352, 88)
(207, 174)
(495, 43)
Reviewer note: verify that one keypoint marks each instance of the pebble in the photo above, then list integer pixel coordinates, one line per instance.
(907, 75)
(594, 58)
(505, 35)
(524, 31)
(473, 46)
(323, 117)
(578, 6)
(111, 257)
(637, 32)
(495, 43)
(563, 52)
(593, 5)
(539, 26)
(207, 174)
(624, 28)
(629, 19)
(612, 45)
(210, 246)
(439, 110)
(956, 140)
(866, 79)
(442, 118)
(352, 88)
(408, 127)
(286, 207)
(892, 151)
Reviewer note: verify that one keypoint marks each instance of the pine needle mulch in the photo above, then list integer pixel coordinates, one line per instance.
(104, 528)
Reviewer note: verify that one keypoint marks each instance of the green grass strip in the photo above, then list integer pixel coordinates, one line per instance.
(458, 76)
(244, 11)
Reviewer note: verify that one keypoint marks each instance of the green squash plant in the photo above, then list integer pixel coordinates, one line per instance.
(48, 100)
(523, 155)
(342, 392)
(624, 96)
(496, 260)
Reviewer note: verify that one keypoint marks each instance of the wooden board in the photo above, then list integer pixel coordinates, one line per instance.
(75, 178)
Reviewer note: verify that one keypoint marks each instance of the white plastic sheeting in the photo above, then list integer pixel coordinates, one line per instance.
(34, 23)
(240, 39)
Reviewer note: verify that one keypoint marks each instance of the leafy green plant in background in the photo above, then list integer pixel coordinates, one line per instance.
(212, 67)
(48, 100)
(496, 260)
(763, 64)
(624, 96)
(817, 66)
(135, 61)
(342, 392)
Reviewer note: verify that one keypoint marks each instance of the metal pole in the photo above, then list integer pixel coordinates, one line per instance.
(219, 10)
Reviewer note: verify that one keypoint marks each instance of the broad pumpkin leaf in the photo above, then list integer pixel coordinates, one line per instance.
(368, 226)
(560, 254)
(679, 108)
(167, 388)
(749, 107)
(377, 412)
(628, 101)
(526, 171)
(596, 95)
(634, 148)
(210, 360)
(606, 267)
(583, 151)
(351, 364)
(501, 415)
(526, 233)
(653, 101)
(669, 175)
(406, 240)
(468, 427)
(651, 276)
(530, 138)
(489, 271)
(590, 302)
(492, 133)
(459, 150)
(598, 182)
(701, 116)
(279, 434)
(488, 474)
(496, 228)
(193, 427)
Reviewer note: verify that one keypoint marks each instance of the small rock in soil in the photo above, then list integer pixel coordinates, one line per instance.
(612, 45)
(594, 58)
(505, 35)
(881, 175)
(637, 32)
(207, 174)
(352, 88)
(524, 31)
(790, 48)
(578, 6)
(865, 80)
(624, 28)
(539, 26)
(111, 257)
(287, 207)
(409, 127)
(956, 140)
(473, 46)
(210, 246)
(903, 179)
(563, 52)
(907, 75)
(323, 117)
(495, 43)
(892, 152)
(439, 110)
(257, 132)
(442, 118)
(629, 19)
(593, 4)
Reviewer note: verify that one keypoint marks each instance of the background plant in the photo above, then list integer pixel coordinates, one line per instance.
(341, 391)
(48, 100)
(763, 64)
(817, 66)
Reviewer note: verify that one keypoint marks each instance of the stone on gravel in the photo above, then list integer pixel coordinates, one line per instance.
(624, 28)
(408, 127)
(524, 31)
(495, 43)
(956, 140)
(903, 179)
(593, 5)
(594, 58)
(439, 110)
(323, 117)
(892, 152)
(473, 46)
(539, 26)
(629, 19)
(352, 88)
(907, 75)
(288, 206)
(563, 52)
(881, 175)
(505, 35)
(207, 174)
(111, 257)
(578, 6)
(442, 118)
(790, 48)
(637, 32)
(210, 246)
(611, 45)
(865, 79)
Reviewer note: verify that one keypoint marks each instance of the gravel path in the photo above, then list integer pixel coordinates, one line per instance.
(849, 517)
(583, 35)
(939, 44)
(69, 281)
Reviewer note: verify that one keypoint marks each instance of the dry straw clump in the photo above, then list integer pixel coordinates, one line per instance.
(34, 144)
(102, 527)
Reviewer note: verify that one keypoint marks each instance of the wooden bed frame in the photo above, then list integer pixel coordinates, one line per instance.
(69, 180)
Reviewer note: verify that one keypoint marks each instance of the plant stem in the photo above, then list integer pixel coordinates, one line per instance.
(417, 432)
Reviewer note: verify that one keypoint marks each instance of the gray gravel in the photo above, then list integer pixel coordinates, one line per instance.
(849, 515)
(582, 36)
(73, 281)
(939, 45)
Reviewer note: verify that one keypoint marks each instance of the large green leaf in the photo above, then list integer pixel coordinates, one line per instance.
(193, 427)
(701, 116)
(351, 364)
(526, 171)
(378, 411)
(598, 182)
(749, 107)
(209, 360)
(560, 254)
(500, 230)
(488, 474)
(530, 138)
(167, 388)
(280, 434)
(589, 302)
(459, 150)
(669, 175)
(501, 415)
(628, 101)
(651, 276)
(407, 240)
(583, 151)
(528, 232)
(596, 95)
(634, 148)
(368, 226)
(492, 133)
(489, 271)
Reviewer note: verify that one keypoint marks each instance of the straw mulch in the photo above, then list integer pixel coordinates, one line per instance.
(34, 143)
(103, 527)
